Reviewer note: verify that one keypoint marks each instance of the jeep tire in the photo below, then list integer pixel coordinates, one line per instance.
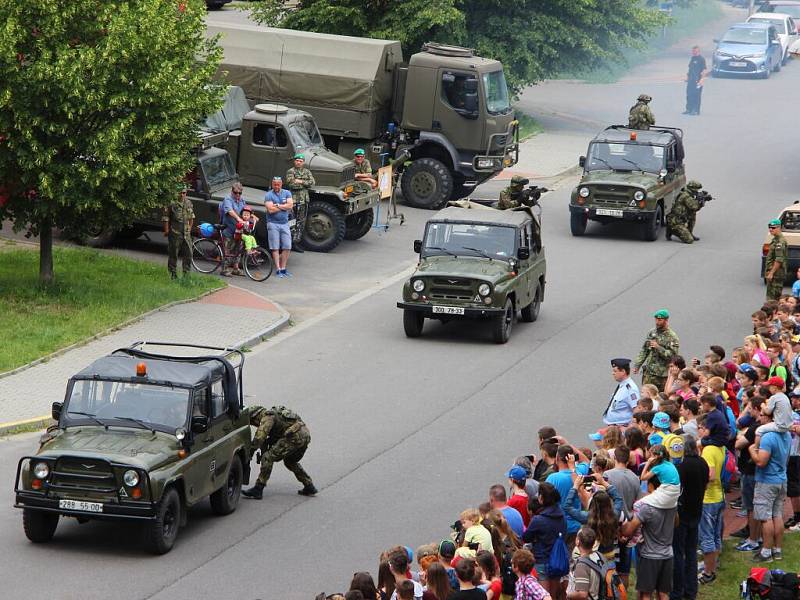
(163, 530)
(39, 526)
(652, 224)
(577, 223)
(413, 322)
(503, 324)
(325, 227)
(226, 498)
(426, 183)
(98, 237)
(359, 224)
(531, 312)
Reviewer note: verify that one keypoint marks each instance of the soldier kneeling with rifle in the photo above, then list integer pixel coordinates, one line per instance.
(516, 195)
(281, 435)
(682, 217)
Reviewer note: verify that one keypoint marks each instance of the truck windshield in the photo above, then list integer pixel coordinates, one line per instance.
(123, 404)
(625, 157)
(496, 92)
(469, 239)
(218, 169)
(305, 134)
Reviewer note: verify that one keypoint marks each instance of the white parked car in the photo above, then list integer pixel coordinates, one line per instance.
(785, 26)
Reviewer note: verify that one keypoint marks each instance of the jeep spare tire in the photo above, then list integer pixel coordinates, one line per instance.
(427, 183)
(325, 227)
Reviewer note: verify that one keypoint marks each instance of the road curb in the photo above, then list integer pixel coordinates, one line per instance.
(26, 425)
(267, 332)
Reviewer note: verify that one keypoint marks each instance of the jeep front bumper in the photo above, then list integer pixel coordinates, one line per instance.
(612, 215)
(126, 511)
(470, 312)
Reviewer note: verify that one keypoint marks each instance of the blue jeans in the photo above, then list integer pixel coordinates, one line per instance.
(711, 527)
(684, 565)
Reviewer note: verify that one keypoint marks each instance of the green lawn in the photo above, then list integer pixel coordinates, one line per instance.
(528, 126)
(92, 292)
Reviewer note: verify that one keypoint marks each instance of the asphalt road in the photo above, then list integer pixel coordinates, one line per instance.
(407, 433)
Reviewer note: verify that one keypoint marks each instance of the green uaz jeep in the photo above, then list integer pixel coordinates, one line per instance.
(477, 263)
(630, 176)
(141, 436)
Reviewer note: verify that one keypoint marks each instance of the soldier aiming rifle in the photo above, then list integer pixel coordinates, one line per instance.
(516, 194)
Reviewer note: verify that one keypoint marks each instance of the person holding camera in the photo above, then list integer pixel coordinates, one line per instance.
(683, 214)
(544, 529)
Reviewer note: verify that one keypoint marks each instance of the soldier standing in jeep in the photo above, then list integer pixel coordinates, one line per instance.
(640, 116)
(281, 435)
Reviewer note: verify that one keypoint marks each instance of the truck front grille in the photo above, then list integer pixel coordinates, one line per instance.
(75, 474)
(608, 195)
(452, 288)
(348, 175)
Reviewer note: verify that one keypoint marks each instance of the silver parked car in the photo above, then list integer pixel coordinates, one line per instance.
(748, 49)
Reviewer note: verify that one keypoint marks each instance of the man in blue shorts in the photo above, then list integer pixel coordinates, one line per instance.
(279, 205)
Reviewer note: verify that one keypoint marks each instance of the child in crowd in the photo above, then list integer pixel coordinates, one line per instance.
(660, 465)
(250, 220)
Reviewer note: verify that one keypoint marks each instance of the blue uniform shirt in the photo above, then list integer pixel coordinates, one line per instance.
(624, 400)
(281, 216)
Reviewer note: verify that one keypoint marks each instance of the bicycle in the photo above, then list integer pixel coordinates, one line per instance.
(208, 255)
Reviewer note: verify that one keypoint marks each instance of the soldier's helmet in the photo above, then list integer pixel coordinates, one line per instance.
(694, 185)
(518, 181)
(644, 98)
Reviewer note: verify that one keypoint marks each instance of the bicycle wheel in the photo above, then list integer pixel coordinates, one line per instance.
(258, 264)
(206, 255)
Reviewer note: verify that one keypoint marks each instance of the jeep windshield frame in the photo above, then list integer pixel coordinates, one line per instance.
(159, 406)
(626, 156)
(493, 241)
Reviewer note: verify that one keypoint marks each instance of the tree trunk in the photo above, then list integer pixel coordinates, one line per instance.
(46, 251)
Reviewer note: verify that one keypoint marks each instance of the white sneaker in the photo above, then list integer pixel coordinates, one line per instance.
(795, 527)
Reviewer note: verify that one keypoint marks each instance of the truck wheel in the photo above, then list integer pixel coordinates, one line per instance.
(162, 531)
(531, 312)
(98, 237)
(359, 224)
(426, 183)
(502, 325)
(225, 499)
(577, 223)
(325, 227)
(652, 224)
(39, 526)
(412, 323)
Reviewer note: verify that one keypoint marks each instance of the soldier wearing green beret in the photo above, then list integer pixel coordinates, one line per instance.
(775, 262)
(178, 219)
(364, 170)
(299, 180)
(683, 214)
(658, 348)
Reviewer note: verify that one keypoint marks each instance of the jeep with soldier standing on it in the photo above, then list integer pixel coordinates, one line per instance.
(629, 176)
(141, 436)
(477, 262)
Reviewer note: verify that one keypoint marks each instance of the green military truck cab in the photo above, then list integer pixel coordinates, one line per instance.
(630, 176)
(477, 262)
(141, 436)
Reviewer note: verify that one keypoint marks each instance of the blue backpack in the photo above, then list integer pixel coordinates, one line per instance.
(558, 565)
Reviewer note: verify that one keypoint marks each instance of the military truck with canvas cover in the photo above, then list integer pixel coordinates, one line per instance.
(629, 176)
(449, 108)
(477, 262)
(141, 436)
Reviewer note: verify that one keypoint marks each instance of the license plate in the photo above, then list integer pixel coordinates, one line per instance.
(734, 63)
(609, 212)
(96, 507)
(348, 190)
(447, 310)
(292, 222)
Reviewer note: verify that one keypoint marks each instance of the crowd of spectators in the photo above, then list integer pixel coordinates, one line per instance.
(649, 496)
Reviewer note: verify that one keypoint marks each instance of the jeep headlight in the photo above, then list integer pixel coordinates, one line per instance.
(484, 289)
(638, 195)
(583, 192)
(130, 478)
(418, 285)
(41, 470)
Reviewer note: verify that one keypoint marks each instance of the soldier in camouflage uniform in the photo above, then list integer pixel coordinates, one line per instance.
(640, 115)
(281, 435)
(364, 171)
(512, 196)
(682, 216)
(299, 180)
(659, 347)
(178, 219)
(775, 262)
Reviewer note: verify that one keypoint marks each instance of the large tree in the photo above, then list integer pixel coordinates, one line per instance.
(534, 39)
(99, 106)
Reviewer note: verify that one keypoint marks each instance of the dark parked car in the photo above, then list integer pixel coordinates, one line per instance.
(748, 49)
(216, 4)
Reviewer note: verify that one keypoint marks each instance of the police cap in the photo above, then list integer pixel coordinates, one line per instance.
(644, 98)
(694, 185)
(620, 363)
(519, 180)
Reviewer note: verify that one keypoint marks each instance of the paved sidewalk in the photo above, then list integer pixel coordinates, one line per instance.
(27, 395)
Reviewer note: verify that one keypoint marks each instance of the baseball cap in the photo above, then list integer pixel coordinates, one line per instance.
(661, 314)
(776, 381)
(595, 437)
(661, 420)
(517, 473)
(447, 549)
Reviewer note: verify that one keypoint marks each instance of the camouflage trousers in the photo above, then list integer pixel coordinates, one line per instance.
(233, 251)
(681, 229)
(179, 246)
(290, 449)
(656, 380)
(775, 287)
(300, 211)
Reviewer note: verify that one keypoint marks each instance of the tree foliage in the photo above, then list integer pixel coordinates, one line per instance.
(534, 39)
(99, 106)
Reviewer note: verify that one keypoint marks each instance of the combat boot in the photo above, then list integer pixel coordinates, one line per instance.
(696, 239)
(308, 490)
(256, 492)
(669, 233)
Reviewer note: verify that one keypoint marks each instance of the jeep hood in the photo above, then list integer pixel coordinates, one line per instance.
(135, 447)
(463, 266)
(633, 178)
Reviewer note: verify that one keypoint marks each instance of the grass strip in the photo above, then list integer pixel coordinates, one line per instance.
(528, 126)
(92, 292)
